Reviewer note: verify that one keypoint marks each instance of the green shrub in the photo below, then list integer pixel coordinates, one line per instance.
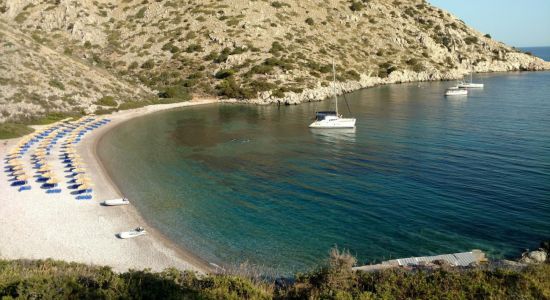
(224, 73)
(231, 89)
(276, 47)
(175, 92)
(13, 130)
(149, 64)
(141, 13)
(278, 4)
(222, 57)
(106, 101)
(356, 6)
(57, 84)
(471, 40)
(193, 48)
(488, 36)
(310, 22)
(48, 118)
(48, 279)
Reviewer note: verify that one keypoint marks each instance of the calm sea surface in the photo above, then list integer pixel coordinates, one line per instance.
(542, 52)
(422, 174)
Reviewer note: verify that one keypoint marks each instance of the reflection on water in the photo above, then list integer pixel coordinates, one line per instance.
(421, 174)
(335, 135)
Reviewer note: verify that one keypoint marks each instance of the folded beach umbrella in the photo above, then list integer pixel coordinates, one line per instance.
(84, 187)
(81, 176)
(84, 181)
(18, 173)
(14, 163)
(21, 177)
(47, 175)
(52, 181)
(45, 168)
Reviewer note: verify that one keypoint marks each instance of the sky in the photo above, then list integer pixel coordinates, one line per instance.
(519, 23)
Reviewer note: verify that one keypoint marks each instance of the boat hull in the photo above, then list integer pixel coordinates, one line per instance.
(116, 202)
(131, 234)
(333, 123)
(471, 85)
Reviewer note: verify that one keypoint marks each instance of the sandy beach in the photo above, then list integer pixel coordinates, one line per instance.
(37, 225)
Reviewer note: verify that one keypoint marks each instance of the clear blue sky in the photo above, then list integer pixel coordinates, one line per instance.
(520, 23)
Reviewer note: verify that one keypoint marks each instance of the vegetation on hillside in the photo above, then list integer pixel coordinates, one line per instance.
(94, 55)
(55, 279)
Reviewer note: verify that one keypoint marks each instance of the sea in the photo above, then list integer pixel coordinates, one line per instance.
(542, 52)
(422, 174)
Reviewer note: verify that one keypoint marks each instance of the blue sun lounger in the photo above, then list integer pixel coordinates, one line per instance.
(24, 188)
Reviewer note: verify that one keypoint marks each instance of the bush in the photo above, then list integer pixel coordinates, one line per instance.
(149, 64)
(106, 101)
(223, 56)
(231, 89)
(57, 84)
(471, 40)
(224, 73)
(13, 130)
(310, 22)
(193, 48)
(276, 47)
(49, 279)
(488, 36)
(141, 13)
(356, 6)
(278, 4)
(175, 92)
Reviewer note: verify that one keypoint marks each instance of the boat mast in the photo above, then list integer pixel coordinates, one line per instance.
(334, 86)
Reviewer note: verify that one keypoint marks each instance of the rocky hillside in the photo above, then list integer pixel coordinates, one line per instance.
(59, 55)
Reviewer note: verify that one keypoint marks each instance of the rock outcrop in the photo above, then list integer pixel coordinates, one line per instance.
(534, 257)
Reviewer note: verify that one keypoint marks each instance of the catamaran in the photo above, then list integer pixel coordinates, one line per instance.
(471, 84)
(331, 119)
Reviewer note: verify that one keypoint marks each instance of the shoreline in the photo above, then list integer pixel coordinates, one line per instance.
(36, 225)
(170, 254)
(184, 253)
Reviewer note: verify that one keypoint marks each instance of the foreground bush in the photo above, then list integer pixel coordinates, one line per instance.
(54, 279)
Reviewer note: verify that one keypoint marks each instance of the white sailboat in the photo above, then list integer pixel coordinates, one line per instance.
(471, 84)
(331, 119)
(456, 91)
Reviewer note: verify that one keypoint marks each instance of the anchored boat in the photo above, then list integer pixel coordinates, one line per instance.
(471, 84)
(331, 119)
(456, 91)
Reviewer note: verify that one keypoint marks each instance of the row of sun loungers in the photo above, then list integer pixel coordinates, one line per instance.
(46, 139)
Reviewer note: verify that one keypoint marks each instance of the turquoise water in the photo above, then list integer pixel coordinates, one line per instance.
(422, 174)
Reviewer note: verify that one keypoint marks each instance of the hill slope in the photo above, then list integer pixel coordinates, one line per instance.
(258, 51)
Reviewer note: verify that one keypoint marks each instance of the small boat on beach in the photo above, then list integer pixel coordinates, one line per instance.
(116, 202)
(132, 233)
(456, 91)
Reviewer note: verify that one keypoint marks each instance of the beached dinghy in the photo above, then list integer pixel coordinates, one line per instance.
(132, 234)
(116, 202)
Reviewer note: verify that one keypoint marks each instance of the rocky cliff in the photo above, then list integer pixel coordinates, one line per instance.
(246, 50)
